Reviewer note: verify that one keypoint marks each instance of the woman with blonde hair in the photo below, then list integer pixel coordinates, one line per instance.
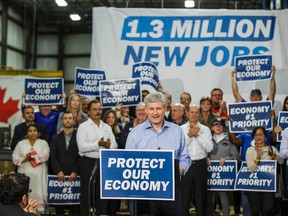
(74, 105)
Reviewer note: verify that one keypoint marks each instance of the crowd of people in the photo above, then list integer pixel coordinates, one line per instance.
(66, 142)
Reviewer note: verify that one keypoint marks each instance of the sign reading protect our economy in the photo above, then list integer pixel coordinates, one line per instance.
(137, 174)
(43, 91)
(87, 81)
(251, 68)
(263, 179)
(244, 117)
(222, 177)
(63, 192)
(148, 74)
(282, 122)
(125, 91)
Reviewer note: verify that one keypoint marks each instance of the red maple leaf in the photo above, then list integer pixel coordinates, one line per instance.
(8, 108)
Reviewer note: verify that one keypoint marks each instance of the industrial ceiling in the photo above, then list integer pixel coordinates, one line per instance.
(47, 14)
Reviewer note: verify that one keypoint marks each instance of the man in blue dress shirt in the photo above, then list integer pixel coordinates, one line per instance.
(156, 133)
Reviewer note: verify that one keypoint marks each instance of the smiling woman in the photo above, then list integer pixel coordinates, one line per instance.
(261, 201)
(30, 156)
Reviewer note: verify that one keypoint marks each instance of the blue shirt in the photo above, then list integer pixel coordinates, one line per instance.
(171, 137)
(50, 121)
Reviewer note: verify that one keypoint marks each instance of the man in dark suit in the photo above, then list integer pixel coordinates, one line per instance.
(64, 157)
(20, 130)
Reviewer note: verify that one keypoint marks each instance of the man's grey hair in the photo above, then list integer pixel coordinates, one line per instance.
(139, 104)
(194, 105)
(181, 106)
(155, 97)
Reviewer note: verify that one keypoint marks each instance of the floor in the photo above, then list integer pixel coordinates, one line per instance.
(125, 212)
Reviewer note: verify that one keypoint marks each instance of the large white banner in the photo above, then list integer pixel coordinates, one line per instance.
(193, 50)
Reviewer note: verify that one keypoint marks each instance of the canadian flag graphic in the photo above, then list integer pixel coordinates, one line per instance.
(11, 89)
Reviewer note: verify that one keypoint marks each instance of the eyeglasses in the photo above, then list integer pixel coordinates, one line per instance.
(260, 135)
(184, 98)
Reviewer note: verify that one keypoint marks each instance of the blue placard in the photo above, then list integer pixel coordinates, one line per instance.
(137, 174)
(41, 91)
(282, 122)
(126, 91)
(87, 81)
(63, 193)
(244, 117)
(222, 177)
(147, 72)
(250, 68)
(263, 179)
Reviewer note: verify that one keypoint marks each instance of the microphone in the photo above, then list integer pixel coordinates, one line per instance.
(93, 173)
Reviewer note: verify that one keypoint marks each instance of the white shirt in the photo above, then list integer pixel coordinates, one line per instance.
(198, 147)
(88, 136)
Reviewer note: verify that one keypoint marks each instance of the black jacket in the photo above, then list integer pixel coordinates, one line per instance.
(13, 210)
(61, 158)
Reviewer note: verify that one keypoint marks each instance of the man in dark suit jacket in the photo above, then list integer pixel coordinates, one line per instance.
(20, 130)
(14, 196)
(64, 157)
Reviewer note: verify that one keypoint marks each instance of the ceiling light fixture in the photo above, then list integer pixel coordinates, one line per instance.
(189, 3)
(75, 17)
(61, 3)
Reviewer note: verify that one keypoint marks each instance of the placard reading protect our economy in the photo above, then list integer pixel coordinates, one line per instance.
(137, 174)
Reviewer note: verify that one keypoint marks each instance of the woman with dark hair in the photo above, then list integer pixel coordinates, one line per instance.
(14, 198)
(110, 118)
(281, 203)
(285, 104)
(277, 128)
(284, 108)
(30, 156)
(261, 201)
(206, 116)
